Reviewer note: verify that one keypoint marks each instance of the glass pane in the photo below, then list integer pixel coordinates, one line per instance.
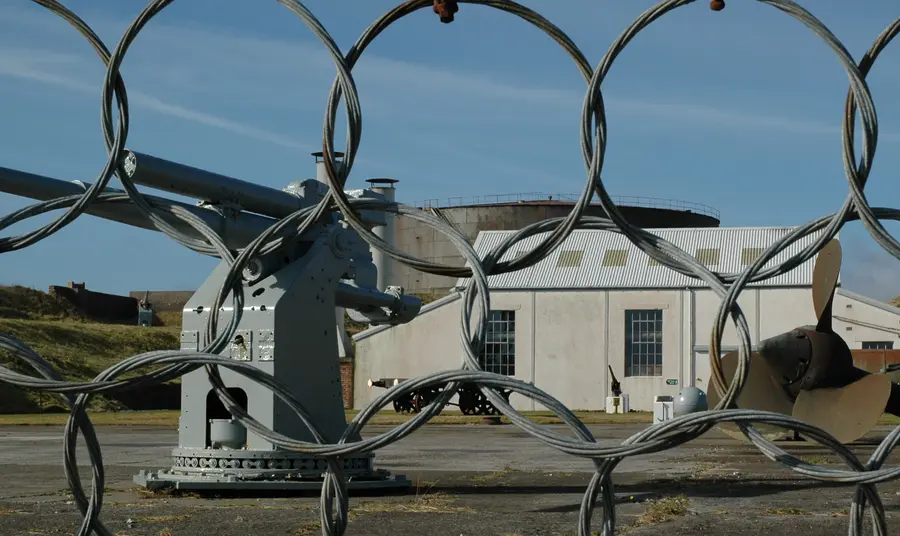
(643, 342)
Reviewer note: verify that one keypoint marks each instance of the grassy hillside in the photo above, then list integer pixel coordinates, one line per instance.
(30, 304)
(77, 346)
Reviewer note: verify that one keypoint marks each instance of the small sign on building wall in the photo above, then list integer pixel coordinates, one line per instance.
(672, 381)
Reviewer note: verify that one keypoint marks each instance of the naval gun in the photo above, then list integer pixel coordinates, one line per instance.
(288, 327)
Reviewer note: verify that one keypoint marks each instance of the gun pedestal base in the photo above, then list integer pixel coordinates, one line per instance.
(260, 470)
(617, 404)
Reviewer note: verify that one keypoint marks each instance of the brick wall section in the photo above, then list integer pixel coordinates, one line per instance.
(347, 382)
(874, 360)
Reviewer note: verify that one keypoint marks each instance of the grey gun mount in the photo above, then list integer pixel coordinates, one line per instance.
(288, 327)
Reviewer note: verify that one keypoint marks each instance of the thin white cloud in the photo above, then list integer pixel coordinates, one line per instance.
(252, 62)
(215, 121)
(24, 66)
(722, 118)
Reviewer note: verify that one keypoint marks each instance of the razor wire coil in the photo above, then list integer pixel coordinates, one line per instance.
(476, 296)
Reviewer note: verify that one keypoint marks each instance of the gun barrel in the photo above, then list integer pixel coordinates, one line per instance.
(236, 232)
(353, 297)
(205, 185)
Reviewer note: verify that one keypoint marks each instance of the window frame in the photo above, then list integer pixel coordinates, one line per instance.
(644, 358)
(877, 345)
(498, 355)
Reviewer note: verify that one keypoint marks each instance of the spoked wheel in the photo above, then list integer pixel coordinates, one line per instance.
(483, 406)
(404, 405)
(425, 397)
(467, 401)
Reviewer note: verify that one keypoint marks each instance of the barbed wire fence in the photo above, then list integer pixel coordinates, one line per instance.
(334, 500)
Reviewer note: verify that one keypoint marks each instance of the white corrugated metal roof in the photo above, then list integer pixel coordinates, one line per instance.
(637, 271)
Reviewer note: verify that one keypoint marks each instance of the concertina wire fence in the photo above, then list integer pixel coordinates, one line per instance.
(666, 435)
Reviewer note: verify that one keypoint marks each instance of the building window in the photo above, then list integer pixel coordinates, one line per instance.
(643, 342)
(499, 354)
(878, 345)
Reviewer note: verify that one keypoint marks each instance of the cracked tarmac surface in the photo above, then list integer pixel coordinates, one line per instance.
(467, 480)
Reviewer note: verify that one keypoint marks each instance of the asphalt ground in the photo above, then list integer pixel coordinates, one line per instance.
(467, 480)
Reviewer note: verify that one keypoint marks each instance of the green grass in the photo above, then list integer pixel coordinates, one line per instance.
(77, 346)
(28, 303)
(888, 420)
(81, 350)
(170, 418)
(78, 350)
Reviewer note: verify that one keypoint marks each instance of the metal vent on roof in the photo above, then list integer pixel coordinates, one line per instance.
(708, 256)
(748, 255)
(570, 258)
(615, 257)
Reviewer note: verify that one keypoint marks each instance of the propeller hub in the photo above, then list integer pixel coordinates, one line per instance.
(807, 359)
(789, 356)
(831, 364)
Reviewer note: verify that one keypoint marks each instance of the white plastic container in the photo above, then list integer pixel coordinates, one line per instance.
(663, 408)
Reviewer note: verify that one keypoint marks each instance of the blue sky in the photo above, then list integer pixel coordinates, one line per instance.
(738, 109)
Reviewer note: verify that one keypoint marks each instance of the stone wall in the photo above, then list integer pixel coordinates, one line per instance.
(164, 300)
(97, 305)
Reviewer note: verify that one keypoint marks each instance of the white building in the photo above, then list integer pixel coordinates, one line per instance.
(599, 301)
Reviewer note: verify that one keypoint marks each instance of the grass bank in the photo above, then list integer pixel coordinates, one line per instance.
(77, 346)
(170, 418)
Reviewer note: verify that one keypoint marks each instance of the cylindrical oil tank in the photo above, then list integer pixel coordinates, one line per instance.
(515, 211)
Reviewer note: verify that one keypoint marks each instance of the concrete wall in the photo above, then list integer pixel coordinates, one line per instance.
(862, 319)
(565, 340)
(424, 242)
(431, 343)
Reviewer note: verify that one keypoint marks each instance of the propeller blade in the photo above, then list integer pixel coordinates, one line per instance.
(847, 413)
(825, 277)
(760, 392)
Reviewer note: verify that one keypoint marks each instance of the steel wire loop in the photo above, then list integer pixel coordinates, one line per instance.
(167, 365)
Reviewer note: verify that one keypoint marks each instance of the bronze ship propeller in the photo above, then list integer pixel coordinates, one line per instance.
(808, 373)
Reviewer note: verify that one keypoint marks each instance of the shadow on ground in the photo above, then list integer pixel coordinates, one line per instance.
(529, 484)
